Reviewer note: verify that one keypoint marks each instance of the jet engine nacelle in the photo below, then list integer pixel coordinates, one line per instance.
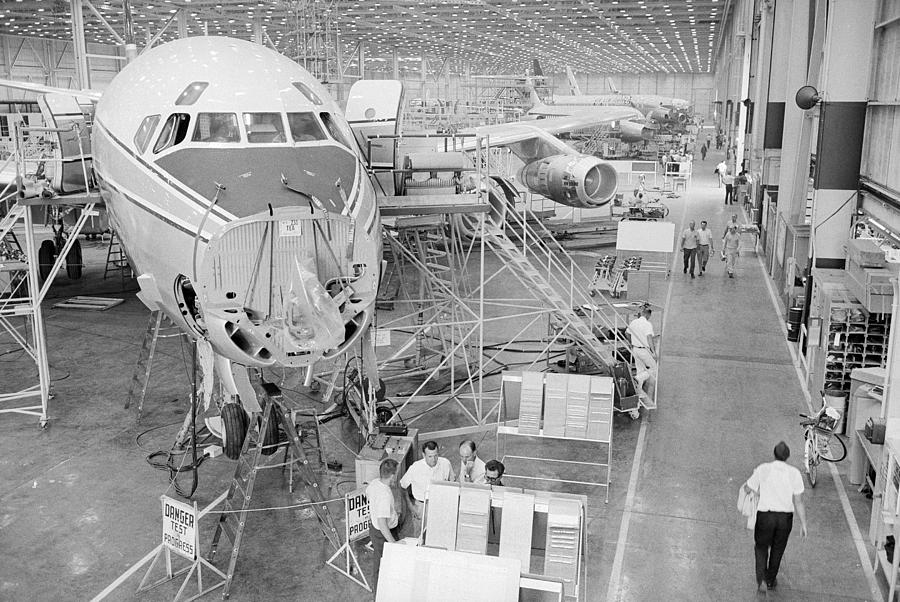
(659, 115)
(630, 131)
(572, 180)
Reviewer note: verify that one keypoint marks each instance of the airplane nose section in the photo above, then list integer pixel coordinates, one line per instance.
(289, 288)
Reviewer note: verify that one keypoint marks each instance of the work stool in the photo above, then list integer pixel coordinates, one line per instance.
(679, 182)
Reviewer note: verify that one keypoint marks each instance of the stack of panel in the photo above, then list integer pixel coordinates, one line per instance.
(531, 403)
(561, 555)
(441, 515)
(600, 414)
(555, 408)
(516, 527)
(474, 513)
(577, 406)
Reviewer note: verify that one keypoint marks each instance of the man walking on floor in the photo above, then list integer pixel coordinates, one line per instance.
(731, 245)
(778, 486)
(689, 248)
(643, 352)
(721, 168)
(704, 246)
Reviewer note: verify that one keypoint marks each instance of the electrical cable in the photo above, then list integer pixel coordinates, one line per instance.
(338, 439)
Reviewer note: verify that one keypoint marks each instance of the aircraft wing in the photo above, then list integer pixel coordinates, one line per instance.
(538, 136)
(87, 95)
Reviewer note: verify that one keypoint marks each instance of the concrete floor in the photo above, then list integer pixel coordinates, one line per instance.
(79, 504)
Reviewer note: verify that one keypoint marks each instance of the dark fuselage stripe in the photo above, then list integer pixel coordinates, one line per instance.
(203, 203)
(146, 207)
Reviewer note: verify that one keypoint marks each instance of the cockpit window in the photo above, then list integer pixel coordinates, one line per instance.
(334, 130)
(216, 127)
(173, 132)
(305, 127)
(145, 131)
(264, 128)
(190, 94)
(308, 93)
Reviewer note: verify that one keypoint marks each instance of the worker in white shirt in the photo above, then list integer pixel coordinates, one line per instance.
(721, 169)
(471, 467)
(383, 515)
(419, 477)
(643, 351)
(704, 246)
(779, 487)
(728, 180)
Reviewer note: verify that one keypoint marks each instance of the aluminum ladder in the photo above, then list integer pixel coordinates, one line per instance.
(236, 508)
(116, 260)
(564, 316)
(140, 379)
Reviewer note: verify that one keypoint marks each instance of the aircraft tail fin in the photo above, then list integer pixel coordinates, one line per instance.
(573, 83)
(533, 95)
(536, 67)
(612, 86)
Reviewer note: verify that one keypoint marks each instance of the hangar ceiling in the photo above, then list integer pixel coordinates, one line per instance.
(490, 36)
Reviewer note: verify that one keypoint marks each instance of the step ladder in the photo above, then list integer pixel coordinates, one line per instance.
(7, 235)
(16, 212)
(140, 379)
(431, 247)
(563, 315)
(116, 260)
(252, 459)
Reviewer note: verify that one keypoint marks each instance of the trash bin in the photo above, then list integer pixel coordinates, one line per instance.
(837, 398)
(795, 315)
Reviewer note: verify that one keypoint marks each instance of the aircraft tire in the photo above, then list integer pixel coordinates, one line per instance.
(270, 437)
(45, 258)
(235, 423)
(74, 262)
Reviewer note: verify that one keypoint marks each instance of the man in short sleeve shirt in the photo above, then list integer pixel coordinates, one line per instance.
(643, 352)
(419, 476)
(779, 487)
(383, 515)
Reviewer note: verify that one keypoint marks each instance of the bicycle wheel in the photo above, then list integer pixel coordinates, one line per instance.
(833, 449)
(811, 459)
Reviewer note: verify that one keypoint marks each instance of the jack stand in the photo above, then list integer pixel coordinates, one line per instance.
(249, 463)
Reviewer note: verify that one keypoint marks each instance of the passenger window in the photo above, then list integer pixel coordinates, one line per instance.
(305, 127)
(173, 132)
(216, 127)
(264, 128)
(145, 132)
(334, 130)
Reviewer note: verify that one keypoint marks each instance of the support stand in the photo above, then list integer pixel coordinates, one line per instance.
(161, 551)
(350, 565)
(196, 567)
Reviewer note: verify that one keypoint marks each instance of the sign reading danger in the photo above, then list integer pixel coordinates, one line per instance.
(357, 506)
(180, 527)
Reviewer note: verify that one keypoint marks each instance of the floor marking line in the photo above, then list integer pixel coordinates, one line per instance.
(849, 516)
(615, 576)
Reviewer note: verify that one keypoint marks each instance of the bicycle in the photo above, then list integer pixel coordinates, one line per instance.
(820, 442)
